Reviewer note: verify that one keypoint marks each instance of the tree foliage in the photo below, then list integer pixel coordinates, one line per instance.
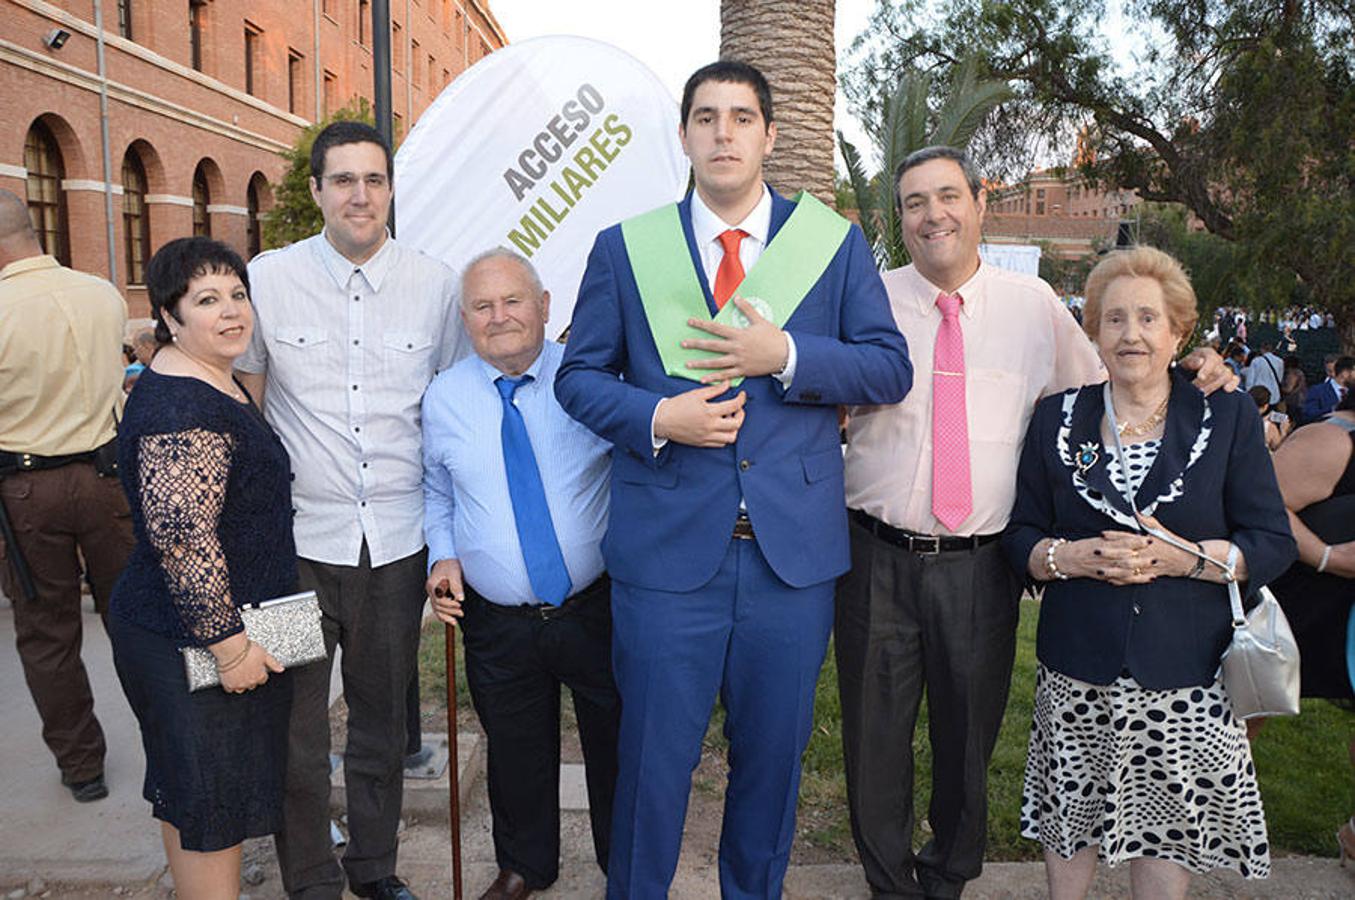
(294, 215)
(1241, 110)
(910, 121)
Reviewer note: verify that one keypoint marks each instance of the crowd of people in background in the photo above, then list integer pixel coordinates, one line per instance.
(657, 523)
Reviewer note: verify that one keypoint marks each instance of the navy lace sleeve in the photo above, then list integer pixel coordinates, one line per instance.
(183, 489)
(209, 488)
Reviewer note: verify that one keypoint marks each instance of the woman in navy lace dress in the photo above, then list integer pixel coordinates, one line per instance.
(209, 488)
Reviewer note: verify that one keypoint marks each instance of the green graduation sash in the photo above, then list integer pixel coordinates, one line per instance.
(671, 292)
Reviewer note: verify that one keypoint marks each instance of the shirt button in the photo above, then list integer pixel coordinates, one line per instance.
(364, 465)
(745, 465)
(301, 340)
(356, 428)
(355, 387)
(356, 298)
(355, 342)
(363, 503)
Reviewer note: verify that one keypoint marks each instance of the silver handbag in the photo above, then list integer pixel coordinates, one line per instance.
(287, 627)
(1261, 665)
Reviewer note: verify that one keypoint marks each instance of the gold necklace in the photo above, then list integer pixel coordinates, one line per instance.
(233, 391)
(1148, 424)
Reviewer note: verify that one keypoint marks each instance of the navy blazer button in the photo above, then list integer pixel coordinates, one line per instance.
(745, 465)
(1137, 609)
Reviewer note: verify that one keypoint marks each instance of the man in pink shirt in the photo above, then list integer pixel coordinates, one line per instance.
(930, 601)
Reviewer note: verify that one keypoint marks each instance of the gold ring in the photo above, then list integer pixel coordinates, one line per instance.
(1137, 571)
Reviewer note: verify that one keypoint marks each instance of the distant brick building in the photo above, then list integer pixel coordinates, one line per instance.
(1070, 217)
(201, 97)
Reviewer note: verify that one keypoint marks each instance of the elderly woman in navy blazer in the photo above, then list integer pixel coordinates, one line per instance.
(1134, 752)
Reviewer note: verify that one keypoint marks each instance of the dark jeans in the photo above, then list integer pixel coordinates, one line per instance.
(59, 516)
(373, 614)
(516, 662)
(906, 622)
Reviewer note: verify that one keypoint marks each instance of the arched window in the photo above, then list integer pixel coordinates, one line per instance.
(254, 197)
(46, 200)
(202, 222)
(136, 224)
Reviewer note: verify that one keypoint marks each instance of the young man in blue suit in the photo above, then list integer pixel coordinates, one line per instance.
(728, 524)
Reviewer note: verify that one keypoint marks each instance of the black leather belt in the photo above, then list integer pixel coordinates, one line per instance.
(925, 544)
(549, 610)
(743, 527)
(31, 462)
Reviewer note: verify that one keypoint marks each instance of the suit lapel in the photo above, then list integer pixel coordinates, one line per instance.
(1084, 437)
(1185, 411)
(685, 215)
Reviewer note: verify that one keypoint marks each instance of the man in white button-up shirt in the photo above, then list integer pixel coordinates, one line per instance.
(351, 328)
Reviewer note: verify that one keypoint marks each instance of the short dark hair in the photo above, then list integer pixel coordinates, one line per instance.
(1343, 364)
(175, 265)
(729, 70)
(344, 131)
(938, 151)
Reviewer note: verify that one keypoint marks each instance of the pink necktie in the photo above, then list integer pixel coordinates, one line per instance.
(952, 494)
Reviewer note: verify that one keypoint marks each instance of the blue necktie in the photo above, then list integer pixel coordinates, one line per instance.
(536, 533)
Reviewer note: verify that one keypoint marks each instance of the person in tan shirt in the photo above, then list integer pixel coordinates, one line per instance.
(927, 606)
(60, 364)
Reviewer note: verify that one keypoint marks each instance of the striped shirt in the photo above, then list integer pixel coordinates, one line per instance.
(348, 351)
(469, 514)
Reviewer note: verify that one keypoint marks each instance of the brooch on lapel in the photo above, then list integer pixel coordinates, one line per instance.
(1087, 455)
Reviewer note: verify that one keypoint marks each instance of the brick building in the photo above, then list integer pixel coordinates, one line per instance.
(201, 97)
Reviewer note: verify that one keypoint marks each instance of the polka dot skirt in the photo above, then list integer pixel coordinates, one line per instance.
(1165, 774)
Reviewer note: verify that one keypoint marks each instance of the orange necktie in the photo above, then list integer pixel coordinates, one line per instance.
(730, 273)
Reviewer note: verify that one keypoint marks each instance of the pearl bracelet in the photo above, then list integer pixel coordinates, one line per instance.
(1326, 558)
(1049, 564)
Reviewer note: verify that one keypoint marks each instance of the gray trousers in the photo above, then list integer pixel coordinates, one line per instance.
(906, 622)
(373, 614)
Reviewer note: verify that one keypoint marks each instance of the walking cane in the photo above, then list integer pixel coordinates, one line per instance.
(443, 589)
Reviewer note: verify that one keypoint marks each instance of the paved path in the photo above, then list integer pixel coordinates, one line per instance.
(111, 848)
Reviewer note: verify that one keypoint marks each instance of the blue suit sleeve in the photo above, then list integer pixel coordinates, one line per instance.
(867, 361)
(439, 502)
(589, 382)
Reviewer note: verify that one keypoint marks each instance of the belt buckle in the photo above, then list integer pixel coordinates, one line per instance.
(26, 461)
(919, 541)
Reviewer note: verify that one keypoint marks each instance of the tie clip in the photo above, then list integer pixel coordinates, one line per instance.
(939, 372)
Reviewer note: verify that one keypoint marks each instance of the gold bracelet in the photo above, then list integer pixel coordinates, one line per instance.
(222, 670)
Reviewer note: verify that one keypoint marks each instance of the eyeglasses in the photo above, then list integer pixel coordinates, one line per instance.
(347, 181)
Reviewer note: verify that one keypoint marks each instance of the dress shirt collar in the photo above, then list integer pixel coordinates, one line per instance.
(341, 268)
(972, 291)
(533, 372)
(707, 226)
(29, 264)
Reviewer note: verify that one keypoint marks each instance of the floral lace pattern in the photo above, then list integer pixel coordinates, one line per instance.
(183, 489)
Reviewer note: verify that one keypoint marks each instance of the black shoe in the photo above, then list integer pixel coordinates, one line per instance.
(88, 791)
(388, 888)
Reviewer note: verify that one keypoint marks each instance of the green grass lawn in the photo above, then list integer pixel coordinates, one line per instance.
(1306, 780)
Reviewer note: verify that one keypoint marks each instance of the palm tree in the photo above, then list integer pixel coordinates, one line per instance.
(792, 43)
(910, 124)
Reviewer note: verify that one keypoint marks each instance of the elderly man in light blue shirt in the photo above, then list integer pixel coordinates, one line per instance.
(516, 499)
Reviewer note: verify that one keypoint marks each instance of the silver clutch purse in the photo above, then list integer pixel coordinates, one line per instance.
(287, 627)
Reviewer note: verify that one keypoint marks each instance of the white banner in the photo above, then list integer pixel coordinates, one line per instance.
(537, 148)
(1023, 258)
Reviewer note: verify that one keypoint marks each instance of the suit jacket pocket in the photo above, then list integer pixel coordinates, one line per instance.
(821, 465)
(633, 471)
